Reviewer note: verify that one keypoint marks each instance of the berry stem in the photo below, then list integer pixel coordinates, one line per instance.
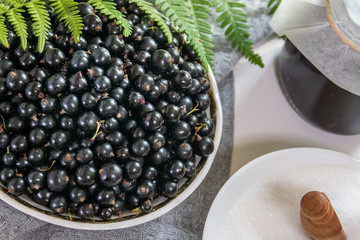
(197, 129)
(44, 170)
(97, 133)
(3, 120)
(8, 149)
(193, 110)
(70, 218)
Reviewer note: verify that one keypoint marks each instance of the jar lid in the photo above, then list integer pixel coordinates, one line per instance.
(327, 33)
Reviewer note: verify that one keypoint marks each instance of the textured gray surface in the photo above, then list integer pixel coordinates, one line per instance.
(187, 220)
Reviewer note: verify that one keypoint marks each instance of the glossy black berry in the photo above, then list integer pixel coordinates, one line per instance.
(169, 189)
(78, 195)
(133, 169)
(4, 140)
(103, 151)
(204, 146)
(68, 161)
(6, 174)
(181, 131)
(105, 196)
(70, 104)
(107, 107)
(37, 136)
(115, 44)
(140, 147)
(142, 57)
(115, 74)
(161, 60)
(59, 139)
(148, 44)
(16, 80)
(146, 206)
(36, 155)
(59, 204)
(149, 173)
(184, 151)
(9, 159)
(171, 113)
(86, 175)
(106, 213)
(16, 186)
(145, 190)
(100, 56)
(92, 24)
(144, 83)
(35, 179)
(43, 196)
(79, 61)
(86, 211)
(57, 179)
(5, 67)
(152, 121)
(157, 158)
(110, 174)
(190, 168)
(156, 141)
(54, 58)
(48, 122)
(49, 104)
(132, 201)
(27, 110)
(56, 84)
(102, 84)
(19, 144)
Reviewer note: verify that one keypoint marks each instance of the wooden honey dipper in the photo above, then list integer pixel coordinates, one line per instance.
(319, 218)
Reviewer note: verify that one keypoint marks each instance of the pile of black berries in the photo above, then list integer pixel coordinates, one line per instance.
(106, 124)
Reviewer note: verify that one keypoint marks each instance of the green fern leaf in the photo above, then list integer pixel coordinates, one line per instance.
(41, 21)
(154, 14)
(233, 18)
(3, 32)
(200, 10)
(68, 12)
(15, 3)
(17, 20)
(180, 14)
(3, 8)
(109, 9)
(273, 5)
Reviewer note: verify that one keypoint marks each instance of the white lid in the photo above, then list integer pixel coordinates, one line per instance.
(327, 32)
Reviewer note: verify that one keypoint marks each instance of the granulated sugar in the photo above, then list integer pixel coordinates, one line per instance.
(270, 209)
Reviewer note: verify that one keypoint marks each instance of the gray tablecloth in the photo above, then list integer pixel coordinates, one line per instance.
(187, 220)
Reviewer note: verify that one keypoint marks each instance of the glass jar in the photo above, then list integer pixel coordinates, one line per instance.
(317, 99)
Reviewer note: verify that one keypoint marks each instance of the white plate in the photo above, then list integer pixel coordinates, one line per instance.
(261, 169)
(28, 206)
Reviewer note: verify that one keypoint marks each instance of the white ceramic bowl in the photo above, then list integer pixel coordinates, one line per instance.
(161, 205)
(261, 169)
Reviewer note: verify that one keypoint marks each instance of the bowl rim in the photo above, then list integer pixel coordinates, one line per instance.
(89, 225)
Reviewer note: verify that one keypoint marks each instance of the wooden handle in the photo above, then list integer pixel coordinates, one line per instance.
(319, 218)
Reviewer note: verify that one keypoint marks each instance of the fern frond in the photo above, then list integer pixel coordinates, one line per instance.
(109, 9)
(67, 11)
(15, 3)
(3, 8)
(41, 21)
(17, 20)
(273, 5)
(154, 14)
(180, 15)
(3, 32)
(200, 10)
(233, 18)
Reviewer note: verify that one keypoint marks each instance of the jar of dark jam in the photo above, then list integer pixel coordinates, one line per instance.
(317, 99)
